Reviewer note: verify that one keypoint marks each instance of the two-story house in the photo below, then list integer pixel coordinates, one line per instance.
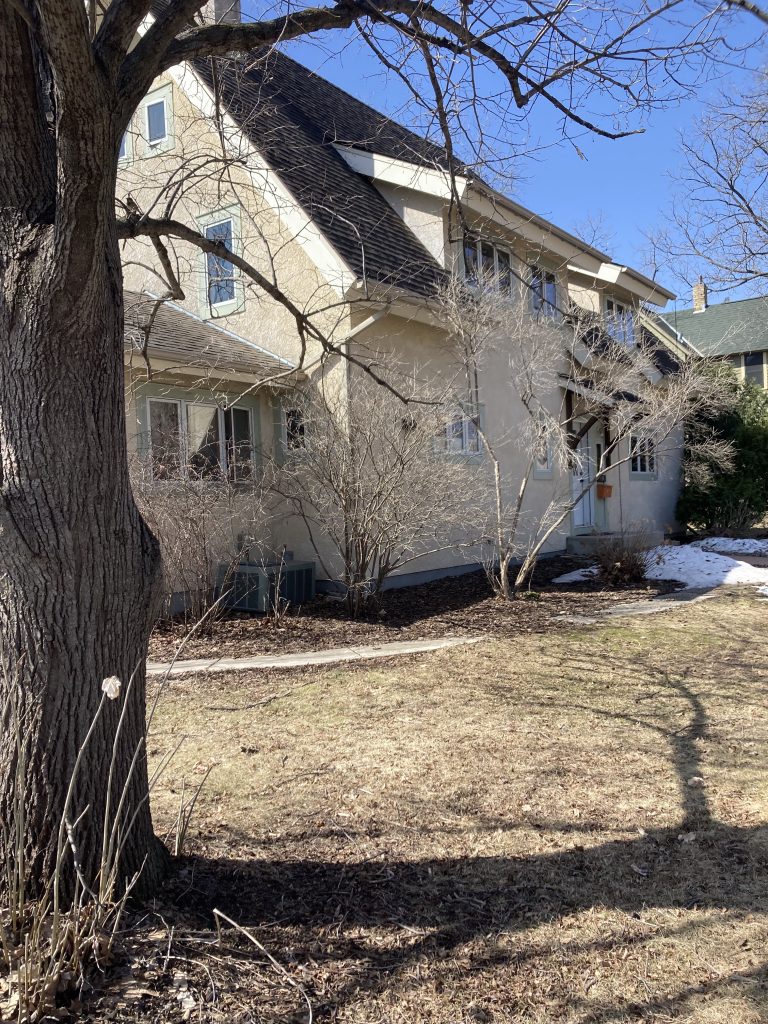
(357, 221)
(735, 331)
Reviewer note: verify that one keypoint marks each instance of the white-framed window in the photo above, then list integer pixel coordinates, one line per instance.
(199, 441)
(220, 272)
(754, 368)
(642, 456)
(125, 149)
(487, 265)
(620, 322)
(221, 293)
(543, 290)
(542, 461)
(459, 434)
(157, 121)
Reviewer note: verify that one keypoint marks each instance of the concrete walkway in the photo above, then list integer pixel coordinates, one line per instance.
(329, 657)
(649, 606)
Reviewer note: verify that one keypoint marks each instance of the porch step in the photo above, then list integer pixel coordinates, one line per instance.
(588, 543)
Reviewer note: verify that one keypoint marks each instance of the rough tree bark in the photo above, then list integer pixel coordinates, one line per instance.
(78, 566)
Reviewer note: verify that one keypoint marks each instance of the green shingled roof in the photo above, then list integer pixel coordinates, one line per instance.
(723, 329)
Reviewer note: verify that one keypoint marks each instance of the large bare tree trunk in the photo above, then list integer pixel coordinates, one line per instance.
(78, 567)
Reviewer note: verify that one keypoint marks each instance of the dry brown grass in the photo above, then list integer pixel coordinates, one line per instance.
(499, 833)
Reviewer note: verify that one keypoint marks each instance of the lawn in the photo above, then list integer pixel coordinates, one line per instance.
(553, 827)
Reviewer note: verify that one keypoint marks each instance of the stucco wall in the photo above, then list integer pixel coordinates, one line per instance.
(269, 236)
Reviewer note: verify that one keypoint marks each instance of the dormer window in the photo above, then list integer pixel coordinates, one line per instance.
(487, 265)
(543, 286)
(620, 322)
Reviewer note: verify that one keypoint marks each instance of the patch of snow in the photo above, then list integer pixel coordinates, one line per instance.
(577, 575)
(691, 565)
(733, 545)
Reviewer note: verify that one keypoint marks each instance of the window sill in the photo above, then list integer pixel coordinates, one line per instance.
(222, 309)
(152, 149)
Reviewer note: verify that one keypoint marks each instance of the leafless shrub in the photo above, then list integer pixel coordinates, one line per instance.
(375, 482)
(623, 559)
(205, 528)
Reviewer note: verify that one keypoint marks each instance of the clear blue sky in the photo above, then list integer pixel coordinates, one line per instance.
(624, 185)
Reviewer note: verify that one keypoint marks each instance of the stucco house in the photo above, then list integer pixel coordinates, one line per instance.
(357, 220)
(735, 331)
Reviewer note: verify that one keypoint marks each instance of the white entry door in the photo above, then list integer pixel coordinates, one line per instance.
(581, 477)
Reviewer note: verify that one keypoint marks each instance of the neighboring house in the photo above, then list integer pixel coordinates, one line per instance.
(735, 331)
(358, 220)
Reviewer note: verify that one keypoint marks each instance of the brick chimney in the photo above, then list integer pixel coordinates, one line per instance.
(221, 11)
(699, 296)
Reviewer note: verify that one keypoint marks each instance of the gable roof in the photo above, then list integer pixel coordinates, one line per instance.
(177, 334)
(294, 118)
(726, 328)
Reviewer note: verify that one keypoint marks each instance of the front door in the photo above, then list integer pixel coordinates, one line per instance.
(582, 476)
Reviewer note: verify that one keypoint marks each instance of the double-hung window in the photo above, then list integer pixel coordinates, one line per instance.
(753, 368)
(542, 462)
(642, 456)
(199, 441)
(125, 149)
(220, 272)
(157, 122)
(295, 429)
(543, 290)
(459, 435)
(620, 322)
(487, 265)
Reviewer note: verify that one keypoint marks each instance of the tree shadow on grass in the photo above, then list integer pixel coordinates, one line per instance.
(381, 918)
(370, 924)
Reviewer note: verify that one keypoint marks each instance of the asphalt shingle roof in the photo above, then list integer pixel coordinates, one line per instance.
(725, 328)
(293, 118)
(179, 335)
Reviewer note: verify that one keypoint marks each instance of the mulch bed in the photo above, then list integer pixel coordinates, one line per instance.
(459, 605)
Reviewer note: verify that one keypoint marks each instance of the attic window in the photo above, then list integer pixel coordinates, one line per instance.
(157, 128)
(220, 272)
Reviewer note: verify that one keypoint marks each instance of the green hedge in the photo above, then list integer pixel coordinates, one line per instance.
(735, 499)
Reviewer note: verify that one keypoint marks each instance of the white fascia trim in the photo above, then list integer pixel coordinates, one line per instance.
(685, 345)
(267, 183)
(536, 230)
(430, 180)
(546, 236)
(628, 279)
